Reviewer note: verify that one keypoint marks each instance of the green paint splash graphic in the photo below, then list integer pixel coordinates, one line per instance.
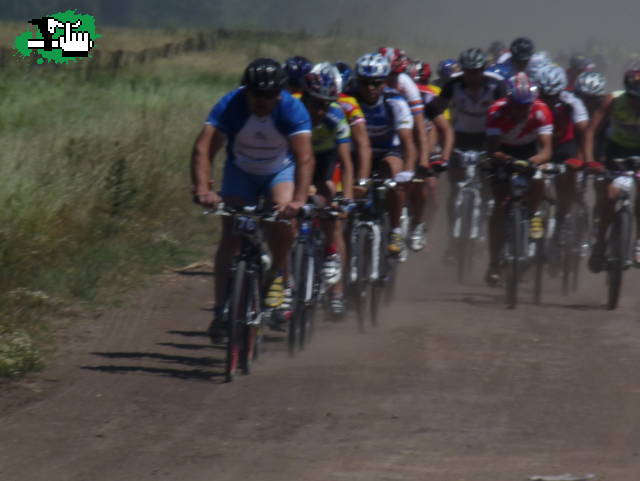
(88, 24)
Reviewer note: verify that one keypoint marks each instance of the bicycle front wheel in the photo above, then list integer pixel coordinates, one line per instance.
(619, 241)
(235, 318)
(465, 243)
(514, 252)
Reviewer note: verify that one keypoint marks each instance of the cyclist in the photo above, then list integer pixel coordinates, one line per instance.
(578, 64)
(296, 68)
(441, 137)
(519, 128)
(496, 49)
(359, 136)
(446, 68)
(268, 137)
(570, 121)
(517, 58)
(390, 128)
(622, 112)
(469, 95)
(331, 145)
(403, 83)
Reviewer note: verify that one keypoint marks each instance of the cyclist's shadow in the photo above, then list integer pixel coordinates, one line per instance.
(172, 364)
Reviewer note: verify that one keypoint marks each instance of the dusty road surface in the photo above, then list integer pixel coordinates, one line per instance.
(450, 387)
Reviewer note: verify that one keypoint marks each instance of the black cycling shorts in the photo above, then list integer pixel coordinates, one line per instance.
(325, 166)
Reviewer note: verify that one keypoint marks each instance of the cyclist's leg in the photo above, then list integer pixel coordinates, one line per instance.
(392, 164)
(279, 237)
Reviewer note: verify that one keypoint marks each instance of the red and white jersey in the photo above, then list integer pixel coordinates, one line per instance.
(501, 122)
(567, 112)
(409, 90)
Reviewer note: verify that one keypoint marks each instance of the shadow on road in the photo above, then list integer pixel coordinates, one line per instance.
(193, 375)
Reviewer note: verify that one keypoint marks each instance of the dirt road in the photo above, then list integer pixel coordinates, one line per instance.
(451, 387)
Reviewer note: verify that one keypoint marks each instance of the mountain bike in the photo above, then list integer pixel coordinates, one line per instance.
(517, 253)
(242, 309)
(371, 268)
(309, 284)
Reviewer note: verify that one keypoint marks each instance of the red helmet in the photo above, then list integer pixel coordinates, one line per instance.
(396, 57)
(420, 72)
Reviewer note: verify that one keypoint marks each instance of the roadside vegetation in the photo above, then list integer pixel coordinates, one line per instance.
(95, 185)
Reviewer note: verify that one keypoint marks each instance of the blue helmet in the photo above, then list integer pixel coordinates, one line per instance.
(447, 67)
(521, 89)
(346, 73)
(296, 68)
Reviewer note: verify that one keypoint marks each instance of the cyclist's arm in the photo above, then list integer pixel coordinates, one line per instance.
(360, 138)
(346, 166)
(409, 153)
(581, 129)
(305, 163)
(207, 144)
(599, 117)
(493, 148)
(446, 134)
(545, 142)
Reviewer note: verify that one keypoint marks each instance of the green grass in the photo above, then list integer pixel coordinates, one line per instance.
(95, 190)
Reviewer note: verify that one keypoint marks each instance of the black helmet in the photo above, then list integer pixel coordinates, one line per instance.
(295, 69)
(472, 58)
(264, 75)
(522, 49)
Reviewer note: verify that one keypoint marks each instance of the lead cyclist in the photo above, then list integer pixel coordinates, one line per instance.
(268, 137)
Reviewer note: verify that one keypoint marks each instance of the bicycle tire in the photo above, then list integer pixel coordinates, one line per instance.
(512, 267)
(618, 244)
(304, 329)
(465, 243)
(363, 286)
(568, 252)
(251, 331)
(234, 323)
(582, 230)
(390, 263)
(293, 333)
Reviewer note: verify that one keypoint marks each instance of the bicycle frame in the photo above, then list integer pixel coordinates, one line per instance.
(470, 185)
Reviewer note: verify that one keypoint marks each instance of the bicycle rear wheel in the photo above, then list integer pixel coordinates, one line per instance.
(619, 241)
(235, 315)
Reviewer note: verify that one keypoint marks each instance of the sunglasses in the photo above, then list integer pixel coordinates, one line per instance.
(366, 82)
(262, 94)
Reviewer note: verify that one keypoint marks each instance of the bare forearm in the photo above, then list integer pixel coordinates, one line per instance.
(420, 137)
(363, 148)
(346, 164)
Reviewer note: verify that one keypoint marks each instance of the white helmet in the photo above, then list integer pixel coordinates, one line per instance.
(552, 80)
(373, 66)
(591, 84)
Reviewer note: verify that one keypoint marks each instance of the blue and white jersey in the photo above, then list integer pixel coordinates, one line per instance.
(384, 118)
(259, 145)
